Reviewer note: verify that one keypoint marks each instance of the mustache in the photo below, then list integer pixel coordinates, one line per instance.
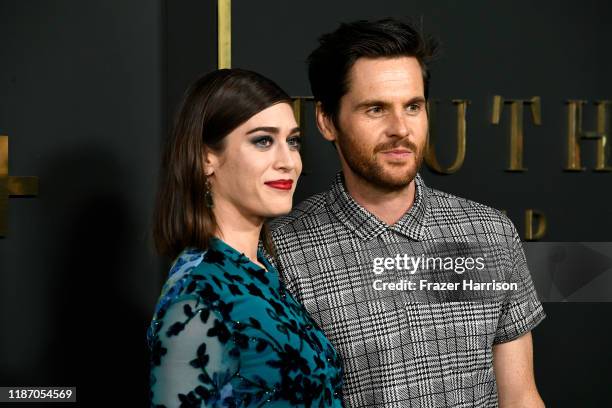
(405, 143)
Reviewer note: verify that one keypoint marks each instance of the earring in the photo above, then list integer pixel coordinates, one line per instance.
(208, 198)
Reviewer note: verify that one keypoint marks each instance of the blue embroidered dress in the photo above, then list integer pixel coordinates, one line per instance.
(226, 334)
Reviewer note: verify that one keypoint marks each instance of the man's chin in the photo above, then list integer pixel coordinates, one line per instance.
(385, 176)
(392, 181)
(399, 176)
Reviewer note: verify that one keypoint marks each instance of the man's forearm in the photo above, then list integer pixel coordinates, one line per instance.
(531, 399)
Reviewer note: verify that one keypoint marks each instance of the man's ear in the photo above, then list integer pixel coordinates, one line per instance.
(325, 124)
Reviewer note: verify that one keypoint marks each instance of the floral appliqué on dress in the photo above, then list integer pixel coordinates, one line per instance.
(225, 333)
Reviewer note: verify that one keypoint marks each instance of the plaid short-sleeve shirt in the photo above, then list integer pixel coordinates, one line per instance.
(397, 353)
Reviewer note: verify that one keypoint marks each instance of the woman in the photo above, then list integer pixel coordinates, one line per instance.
(225, 332)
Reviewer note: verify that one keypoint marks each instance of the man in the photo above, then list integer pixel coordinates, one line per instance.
(369, 81)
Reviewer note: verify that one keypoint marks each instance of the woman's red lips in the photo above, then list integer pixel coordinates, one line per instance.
(280, 184)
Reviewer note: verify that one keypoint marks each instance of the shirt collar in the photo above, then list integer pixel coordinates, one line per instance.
(365, 224)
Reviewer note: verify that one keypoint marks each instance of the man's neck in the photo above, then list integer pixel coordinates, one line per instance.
(388, 206)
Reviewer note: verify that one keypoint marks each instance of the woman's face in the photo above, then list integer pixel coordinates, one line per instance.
(255, 174)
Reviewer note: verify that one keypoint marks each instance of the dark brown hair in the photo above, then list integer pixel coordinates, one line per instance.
(212, 107)
(330, 63)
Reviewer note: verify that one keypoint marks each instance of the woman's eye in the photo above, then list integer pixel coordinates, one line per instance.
(262, 141)
(295, 142)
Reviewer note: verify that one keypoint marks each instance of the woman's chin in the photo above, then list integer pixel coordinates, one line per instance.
(278, 210)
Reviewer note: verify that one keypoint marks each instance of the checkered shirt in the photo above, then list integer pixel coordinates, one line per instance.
(398, 353)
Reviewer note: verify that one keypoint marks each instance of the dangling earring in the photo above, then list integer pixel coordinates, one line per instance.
(208, 198)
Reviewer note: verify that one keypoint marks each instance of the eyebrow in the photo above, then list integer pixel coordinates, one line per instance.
(375, 102)
(271, 129)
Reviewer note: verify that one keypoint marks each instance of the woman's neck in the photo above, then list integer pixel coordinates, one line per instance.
(240, 232)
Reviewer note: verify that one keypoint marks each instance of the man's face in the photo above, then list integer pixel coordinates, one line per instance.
(382, 122)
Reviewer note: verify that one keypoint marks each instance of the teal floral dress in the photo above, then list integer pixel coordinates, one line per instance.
(226, 334)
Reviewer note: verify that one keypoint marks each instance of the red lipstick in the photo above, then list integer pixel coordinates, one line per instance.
(280, 184)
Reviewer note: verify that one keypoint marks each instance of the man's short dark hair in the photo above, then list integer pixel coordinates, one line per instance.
(330, 63)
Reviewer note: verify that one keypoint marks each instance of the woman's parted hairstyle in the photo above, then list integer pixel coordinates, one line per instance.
(212, 107)
(330, 63)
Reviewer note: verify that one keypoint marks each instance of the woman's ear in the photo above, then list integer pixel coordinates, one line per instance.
(325, 124)
(210, 162)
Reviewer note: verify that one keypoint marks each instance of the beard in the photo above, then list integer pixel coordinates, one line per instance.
(362, 161)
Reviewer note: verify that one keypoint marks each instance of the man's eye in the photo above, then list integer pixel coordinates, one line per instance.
(262, 141)
(414, 108)
(374, 110)
(295, 142)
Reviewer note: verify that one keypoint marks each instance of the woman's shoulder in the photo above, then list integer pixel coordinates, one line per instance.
(191, 280)
(190, 270)
(187, 260)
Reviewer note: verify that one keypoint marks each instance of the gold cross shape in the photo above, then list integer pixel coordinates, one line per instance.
(11, 186)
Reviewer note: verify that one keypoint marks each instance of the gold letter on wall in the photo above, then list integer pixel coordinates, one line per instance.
(430, 153)
(540, 230)
(298, 109)
(11, 186)
(575, 134)
(516, 125)
(224, 34)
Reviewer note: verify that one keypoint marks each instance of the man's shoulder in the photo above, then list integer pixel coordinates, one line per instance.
(443, 201)
(313, 208)
(447, 208)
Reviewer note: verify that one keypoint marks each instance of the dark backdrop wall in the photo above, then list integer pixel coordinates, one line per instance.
(88, 89)
(82, 99)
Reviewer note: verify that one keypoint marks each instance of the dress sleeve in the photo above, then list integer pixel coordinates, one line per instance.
(521, 310)
(193, 359)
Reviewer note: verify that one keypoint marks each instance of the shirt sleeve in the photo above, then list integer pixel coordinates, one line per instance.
(193, 359)
(521, 310)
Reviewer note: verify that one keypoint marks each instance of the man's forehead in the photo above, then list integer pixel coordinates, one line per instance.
(370, 74)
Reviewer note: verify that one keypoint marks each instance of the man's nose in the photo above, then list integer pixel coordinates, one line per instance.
(398, 124)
